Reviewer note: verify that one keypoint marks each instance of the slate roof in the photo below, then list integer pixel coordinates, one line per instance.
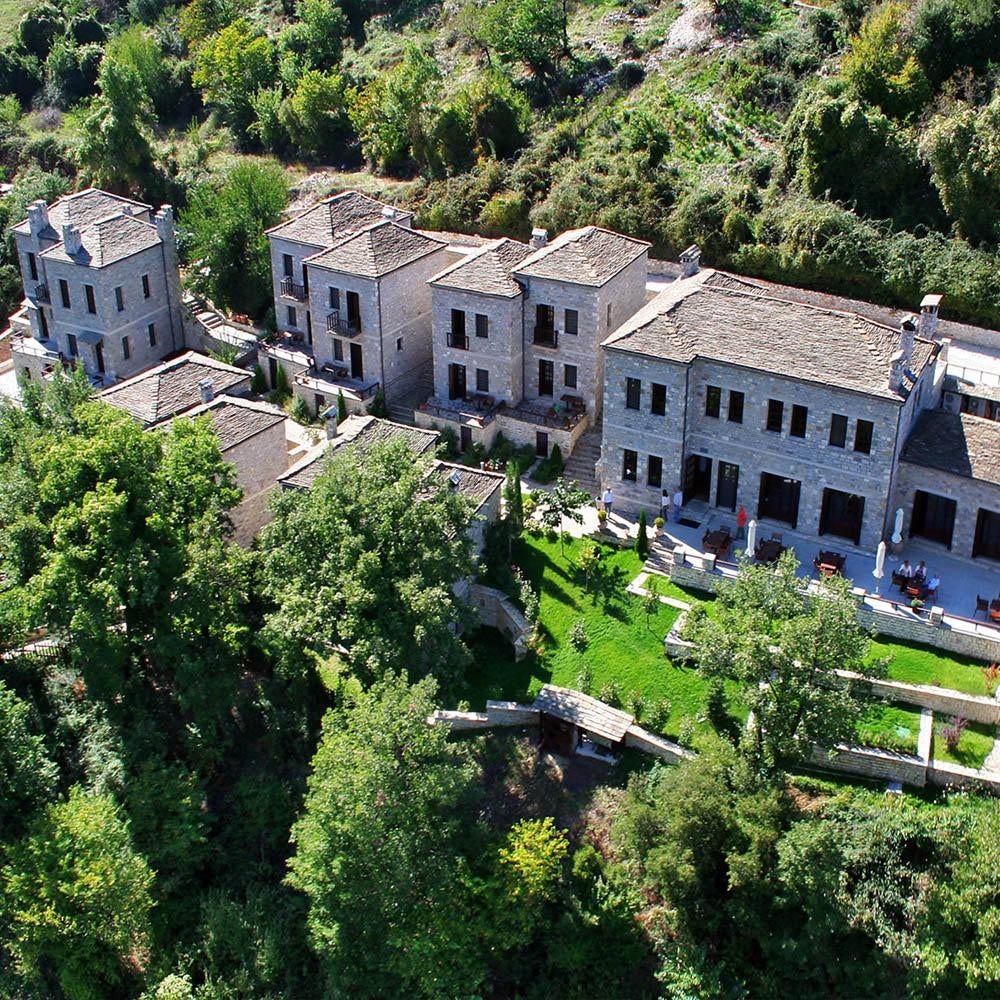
(958, 443)
(85, 208)
(332, 218)
(588, 256)
(586, 712)
(721, 317)
(488, 270)
(173, 387)
(235, 420)
(477, 484)
(376, 250)
(363, 431)
(108, 240)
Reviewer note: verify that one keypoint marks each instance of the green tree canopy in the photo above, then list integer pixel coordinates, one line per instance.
(224, 231)
(76, 899)
(27, 775)
(316, 114)
(366, 562)
(532, 32)
(317, 36)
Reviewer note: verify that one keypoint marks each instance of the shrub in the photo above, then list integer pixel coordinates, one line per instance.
(952, 732)
(341, 407)
(611, 694)
(642, 539)
(991, 678)
(258, 384)
(447, 447)
(281, 381)
(299, 411)
(658, 715)
(685, 731)
(715, 705)
(585, 679)
(578, 638)
(377, 407)
(637, 703)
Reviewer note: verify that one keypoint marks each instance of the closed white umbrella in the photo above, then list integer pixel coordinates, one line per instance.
(751, 537)
(879, 571)
(897, 530)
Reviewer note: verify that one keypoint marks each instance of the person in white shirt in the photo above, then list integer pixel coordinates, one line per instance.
(608, 500)
(905, 569)
(665, 506)
(678, 503)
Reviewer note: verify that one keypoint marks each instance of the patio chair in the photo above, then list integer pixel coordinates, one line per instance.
(777, 536)
(982, 604)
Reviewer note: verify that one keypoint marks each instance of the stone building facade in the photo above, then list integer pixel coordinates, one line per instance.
(101, 285)
(737, 395)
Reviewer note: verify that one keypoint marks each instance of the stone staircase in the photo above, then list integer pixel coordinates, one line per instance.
(401, 410)
(661, 555)
(582, 464)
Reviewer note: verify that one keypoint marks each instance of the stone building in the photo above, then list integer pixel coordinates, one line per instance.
(744, 392)
(101, 285)
(517, 334)
(948, 484)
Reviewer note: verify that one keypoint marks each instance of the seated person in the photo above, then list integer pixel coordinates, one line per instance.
(905, 569)
(920, 573)
(932, 584)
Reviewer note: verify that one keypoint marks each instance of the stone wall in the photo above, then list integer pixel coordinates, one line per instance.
(976, 708)
(881, 765)
(641, 739)
(496, 609)
(524, 431)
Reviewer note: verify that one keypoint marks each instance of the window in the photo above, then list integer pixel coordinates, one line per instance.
(32, 267)
(64, 293)
(571, 321)
(74, 350)
(482, 325)
(987, 538)
(126, 350)
(287, 265)
(658, 399)
(151, 332)
(458, 324)
(292, 316)
(630, 463)
(569, 376)
(609, 325)
(838, 430)
(399, 343)
(338, 350)
(334, 296)
(800, 417)
(145, 286)
(119, 300)
(482, 380)
(735, 407)
(775, 414)
(88, 291)
(863, 436)
(713, 401)
(654, 476)
(633, 392)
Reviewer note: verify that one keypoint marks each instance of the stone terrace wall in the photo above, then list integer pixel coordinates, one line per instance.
(498, 610)
(975, 708)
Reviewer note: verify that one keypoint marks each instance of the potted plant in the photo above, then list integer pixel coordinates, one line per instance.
(658, 524)
(918, 606)
(602, 517)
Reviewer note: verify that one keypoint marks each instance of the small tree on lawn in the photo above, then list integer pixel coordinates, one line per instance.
(513, 499)
(782, 648)
(651, 599)
(341, 407)
(641, 539)
(588, 561)
(952, 732)
(564, 500)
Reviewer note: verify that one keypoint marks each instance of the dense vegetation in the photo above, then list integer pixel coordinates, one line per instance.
(220, 783)
(852, 147)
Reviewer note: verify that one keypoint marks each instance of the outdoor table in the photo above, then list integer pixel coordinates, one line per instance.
(716, 541)
(769, 551)
(995, 610)
(829, 563)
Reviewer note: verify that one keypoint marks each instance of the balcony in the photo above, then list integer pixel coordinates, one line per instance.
(545, 336)
(41, 294)
(459, 341)
(342, 325)
(290, 289)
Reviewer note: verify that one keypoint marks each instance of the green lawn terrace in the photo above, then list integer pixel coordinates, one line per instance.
(624, 649)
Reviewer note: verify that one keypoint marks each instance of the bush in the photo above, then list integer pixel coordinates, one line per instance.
(585, 679)
(658, 715)
(611, 694)
(642, 539)
(578, 638)
(377, 407)
(281, 381)
(258, 384)
(299, 411)
(636, 704)
(447, 447)
(952, 732)
(685, 731)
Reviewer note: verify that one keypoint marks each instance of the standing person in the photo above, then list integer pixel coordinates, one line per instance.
(665, 506)
(608, 500)
(920, 573)
(741, 521)
(678, 503)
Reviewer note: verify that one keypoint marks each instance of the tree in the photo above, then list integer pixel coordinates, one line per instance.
(316, 115)
(76, 899)
(376, 849)
(224, 228)
(642, 539)
(117, 146)
(27, 775)
(513, 498)
(231, 66)
(963, 150)
(137, 49)
(563, 500)
(200, 19)
(365, 563)
(651, 599)
(341, 407)
(529, 31)
(782, 649)
(881, 67)
(318, 34)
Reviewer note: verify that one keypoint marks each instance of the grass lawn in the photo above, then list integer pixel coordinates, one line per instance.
(922, 665)
(890, 727)
(973, 748)
(622, 648)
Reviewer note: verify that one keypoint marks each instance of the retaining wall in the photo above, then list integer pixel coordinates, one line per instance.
(495, 608)
(647, 742)
(975, 708)
(882, 765)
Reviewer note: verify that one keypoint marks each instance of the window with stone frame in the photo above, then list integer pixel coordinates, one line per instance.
(569, 376)
(88, 291)
(145, 286)
(657, 399)
(287, 265)
(735, 412)
(800, 418)
(838, 430)
(338, 350)
(32, 267)
(482, 325)
(292, 316)
(713, 401)
(334, 298)
(654, 471)
(630, 465)
(571, 321)
(399, 344)
(119, 299)
(775, 415)
(482, 380)
(633, 393)
(64, 293)
(864, 431)
(126, 349)
(74, 349)
(151, 333)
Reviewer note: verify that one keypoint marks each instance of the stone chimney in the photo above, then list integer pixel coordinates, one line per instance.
(71, 239)
(164, 220)
(38, 217)
(207, 390)
(897, 365)
(690, 261)
(929, 316)
(388, 212)
(539, 239)
(907, 336)
(330, 422)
